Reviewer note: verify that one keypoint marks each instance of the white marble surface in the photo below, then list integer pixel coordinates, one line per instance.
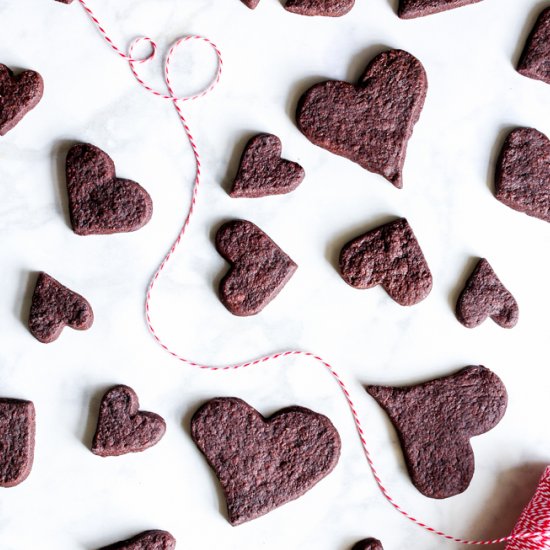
(75, 500)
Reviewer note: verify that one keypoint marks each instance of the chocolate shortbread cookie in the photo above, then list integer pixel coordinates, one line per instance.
(263, 463)
(252, 4)
(148, 540)
(368, 544)
(435, 422)
(54, 306)
(263, 172)
(259, 268)
(523, 173)
(18, 95)
(327, 8)
(485, 296)
(389, 256)
(99, 202)
(122, 428)
(17, 427)
(369, 123)
(535, 59)
(409, 9)
(65, 1)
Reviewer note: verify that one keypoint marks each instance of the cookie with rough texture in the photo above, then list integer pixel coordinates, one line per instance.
(17, 427)
(535, 59)
(327, 8)
(122, 428)
(99, 202)
(435, 422)
(522, 179)
(54, 307)
(252, 4)
(263, 172)
(18, 95)
(389, 256)
(370, 122)
(259, 268)
(65, 1)
(368, 544)
(148, 540)
(263, 463)
(409, 9)
(485, 296)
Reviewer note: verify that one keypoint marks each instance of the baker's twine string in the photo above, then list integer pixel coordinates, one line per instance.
(176, 100)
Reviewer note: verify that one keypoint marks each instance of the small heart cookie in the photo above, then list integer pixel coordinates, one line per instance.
(122, 428)
(18, 95)
(259, 268)
(263, 463)
(368, 544)
(99, 202)
(252, 4)
(148, 540)
(54, 307)
(263, 172)
(389, 256)
(485, 296)
(326, 8)
(535, 59)
(435, 422)
(409, 9)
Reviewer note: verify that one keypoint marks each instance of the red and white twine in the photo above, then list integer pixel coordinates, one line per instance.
(532, 531)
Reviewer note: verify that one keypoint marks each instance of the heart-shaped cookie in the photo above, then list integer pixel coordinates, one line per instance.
(18, 95)
(389, 256)
(523, 173)
(263, 463)
(326, 8)
(368, 544)
(99, 202)
(485, 296)
(435, 422)
(122, 428)
(535, 59)
(252, 4)
(259, 271)
(369, 123)
(409, 9)
(17, 427)
(54, 307)
(263, 172)
(148, 540)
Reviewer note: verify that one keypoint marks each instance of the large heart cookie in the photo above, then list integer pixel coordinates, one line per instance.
(409, 9)
(262, 170)
(535, 59)
(18, 95)
(389, 256)
(264, 463)
(435, 422)
(122, 428)
(523, 173)
(369, 123)
(485, 296)
(148, 540)
(54, 307)
(17, 427)
(368, 544)
(260, 269)
(99, 202)
(327, 8)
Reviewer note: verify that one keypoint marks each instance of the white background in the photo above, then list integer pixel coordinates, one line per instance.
(76, 500)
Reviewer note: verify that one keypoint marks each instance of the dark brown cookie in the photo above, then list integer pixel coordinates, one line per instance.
(389, 256)
(99, 202)
(409, 9)
(368, 544)
(252, 4)
(485, 296)
(369, 123)
(263, 172)
(17, 427)
(54, 307)
(535, 59)
(327, 8)
(259, 268)
(264, 463)
(18, 95)
(148, 540)
(122, 428)
(65, 1)
(523, 173)
(435, 422)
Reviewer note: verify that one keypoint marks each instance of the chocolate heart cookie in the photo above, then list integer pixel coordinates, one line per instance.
(535, 59)
(122, 428)
(327, 8)
(148, 540)
(18, 95)
(264, 463)
(252, 4)
(435, 422)
(409, 9)
(99, 202)
(368, 544)
(369, 123)
(259, 271)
